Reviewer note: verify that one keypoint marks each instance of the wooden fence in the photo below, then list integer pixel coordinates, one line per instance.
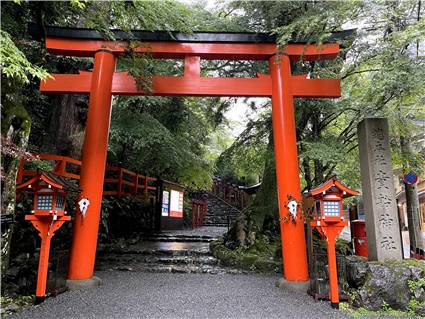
(118, 181)
(231, 193)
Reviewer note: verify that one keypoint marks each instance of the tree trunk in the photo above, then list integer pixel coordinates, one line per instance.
(412, 204)
(265, 206)
(65, 126)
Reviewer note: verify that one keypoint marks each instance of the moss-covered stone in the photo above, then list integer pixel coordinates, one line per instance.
(258, 258)
(394, 284)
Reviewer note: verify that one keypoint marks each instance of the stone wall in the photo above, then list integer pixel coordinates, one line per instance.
(398, 284)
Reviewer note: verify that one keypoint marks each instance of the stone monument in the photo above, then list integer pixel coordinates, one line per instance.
(382, 224)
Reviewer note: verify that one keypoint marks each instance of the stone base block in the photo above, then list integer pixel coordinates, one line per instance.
(84, 283)
(335, 305)
(295, 286)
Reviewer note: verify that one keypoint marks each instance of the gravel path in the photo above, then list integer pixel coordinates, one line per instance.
(170, 295)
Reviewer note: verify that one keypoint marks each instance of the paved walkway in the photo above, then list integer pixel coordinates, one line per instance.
(168, 295)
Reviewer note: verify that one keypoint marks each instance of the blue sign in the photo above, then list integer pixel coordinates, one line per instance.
(410, 178)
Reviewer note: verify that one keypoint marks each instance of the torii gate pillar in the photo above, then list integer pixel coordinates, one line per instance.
(288, 180)
(84, 239)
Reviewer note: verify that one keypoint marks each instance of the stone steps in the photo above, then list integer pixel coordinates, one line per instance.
(158, 259)
(163, 268)
(178, 238)
(161, 260)
(156, 252)
(218, 212)
(184, 251)
(215, 225)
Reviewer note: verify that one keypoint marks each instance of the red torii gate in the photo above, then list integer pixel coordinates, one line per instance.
(104, 82)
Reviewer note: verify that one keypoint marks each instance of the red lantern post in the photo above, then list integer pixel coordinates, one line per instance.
(330, 223)
(48, 215)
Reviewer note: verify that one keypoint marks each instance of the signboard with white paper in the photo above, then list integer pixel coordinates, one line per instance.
(176, 204)
(165, 203)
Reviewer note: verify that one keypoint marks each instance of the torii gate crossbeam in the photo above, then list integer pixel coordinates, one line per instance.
(104, 82)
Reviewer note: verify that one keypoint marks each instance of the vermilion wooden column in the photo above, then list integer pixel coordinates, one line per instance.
(332, 233)
(84, 240)
(288, 181)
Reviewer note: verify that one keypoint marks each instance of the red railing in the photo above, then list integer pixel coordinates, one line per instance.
(199, 211)
(127, 182)
(118, 181)
(231, 193)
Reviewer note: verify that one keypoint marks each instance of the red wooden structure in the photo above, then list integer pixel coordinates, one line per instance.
(199, 211)
(48, 215)
(118, 181)
(329, 222)
(103, 82)
(236, 195)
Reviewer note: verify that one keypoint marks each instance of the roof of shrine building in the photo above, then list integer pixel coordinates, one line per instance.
(38, 33)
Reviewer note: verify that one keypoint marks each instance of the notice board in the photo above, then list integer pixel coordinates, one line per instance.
(170, 210)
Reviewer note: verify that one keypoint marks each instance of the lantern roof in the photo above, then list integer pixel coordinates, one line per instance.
(334, 185)
(52, 179)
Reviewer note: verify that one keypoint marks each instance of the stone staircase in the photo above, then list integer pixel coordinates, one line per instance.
(164, 237)
(219, 213)
(176, 253)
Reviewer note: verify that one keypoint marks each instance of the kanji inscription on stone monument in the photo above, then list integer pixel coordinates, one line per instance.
(382, 224)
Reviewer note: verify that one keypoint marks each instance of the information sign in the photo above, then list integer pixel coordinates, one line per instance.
(165, 203)
(176, 204)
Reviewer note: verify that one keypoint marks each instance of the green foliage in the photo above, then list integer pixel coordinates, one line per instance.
(342, 246)
(78, 4)
(260, 257)
(138, 14)
(385, 312)
(162, 137)
(14, 64)
(247, 155)
(415, 286)
(12, 304)
(317, 20)
(165, 15)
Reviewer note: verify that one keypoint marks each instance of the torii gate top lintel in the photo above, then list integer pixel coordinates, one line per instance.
(84, 42)
(191, 48)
